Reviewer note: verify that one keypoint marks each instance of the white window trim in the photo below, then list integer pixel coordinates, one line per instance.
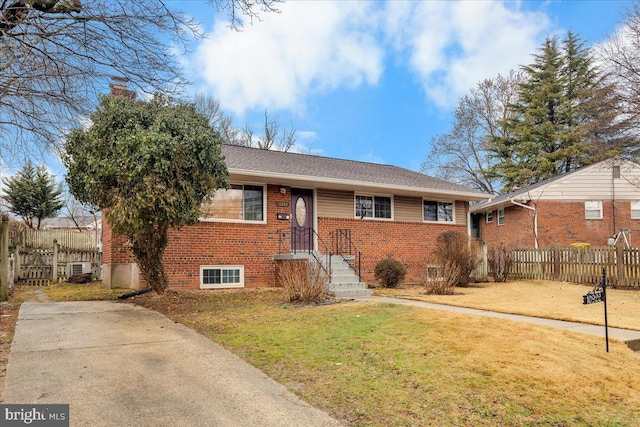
(498, 217)
(244, 221)
(600, 210)
(221, 285)
(373, 218)
(489, 217)
(453, 211)
(637, 209)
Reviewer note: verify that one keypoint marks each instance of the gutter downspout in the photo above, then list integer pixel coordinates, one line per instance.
(535, 219)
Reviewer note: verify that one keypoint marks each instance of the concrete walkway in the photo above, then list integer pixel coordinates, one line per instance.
(123, 365)
(629, 337)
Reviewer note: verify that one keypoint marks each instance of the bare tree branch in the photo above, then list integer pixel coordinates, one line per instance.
(56, 56)
(461, 154)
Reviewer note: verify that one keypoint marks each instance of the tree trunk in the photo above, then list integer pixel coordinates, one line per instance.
(148, 249)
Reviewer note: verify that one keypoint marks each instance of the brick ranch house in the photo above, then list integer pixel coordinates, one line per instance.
(281, 204)
(591, 204)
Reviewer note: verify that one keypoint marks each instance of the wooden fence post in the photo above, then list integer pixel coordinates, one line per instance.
(54, 262)
(17, 264)
(620, 261)
(4, 258)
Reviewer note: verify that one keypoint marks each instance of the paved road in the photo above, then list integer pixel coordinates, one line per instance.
(628, 336)
(123, 365)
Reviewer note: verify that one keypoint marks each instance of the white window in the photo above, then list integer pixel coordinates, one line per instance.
(500, 216)
(490, 216)
(221, 276)
(593, 209)
(237, 203)
(373, 207)
(437, 211)
(635, 209)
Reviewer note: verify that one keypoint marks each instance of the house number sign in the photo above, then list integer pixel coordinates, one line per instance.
(282, 204)
(599, 294)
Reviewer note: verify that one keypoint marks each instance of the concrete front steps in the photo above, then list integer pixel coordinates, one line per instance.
(344, 281)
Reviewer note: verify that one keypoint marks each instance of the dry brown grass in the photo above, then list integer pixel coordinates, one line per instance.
(554, 300)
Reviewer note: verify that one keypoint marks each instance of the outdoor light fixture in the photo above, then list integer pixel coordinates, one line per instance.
(283, 190)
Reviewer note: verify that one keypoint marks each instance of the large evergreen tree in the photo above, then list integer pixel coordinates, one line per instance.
(33, 195)
(566, 116)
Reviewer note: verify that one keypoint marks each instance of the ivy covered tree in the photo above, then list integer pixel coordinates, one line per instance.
(33, 195)
(149, 166)
(566, 116)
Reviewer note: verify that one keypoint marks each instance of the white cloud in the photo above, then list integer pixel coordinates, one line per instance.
(314, 47)
(309, 47)
(452, 46)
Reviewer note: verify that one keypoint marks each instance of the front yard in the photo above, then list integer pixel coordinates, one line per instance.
(390, 365)
(539, 298)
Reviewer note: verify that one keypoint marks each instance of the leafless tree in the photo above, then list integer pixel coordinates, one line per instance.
(75, 211)
(620, 55)
(461, 155)
(56, 56)
(210, 107)
(272, 137)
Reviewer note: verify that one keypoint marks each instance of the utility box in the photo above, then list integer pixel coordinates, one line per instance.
(75, 268)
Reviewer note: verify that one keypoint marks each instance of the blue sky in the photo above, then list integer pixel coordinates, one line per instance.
(373, 80)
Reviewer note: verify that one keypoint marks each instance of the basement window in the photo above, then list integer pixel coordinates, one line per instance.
(221, 276)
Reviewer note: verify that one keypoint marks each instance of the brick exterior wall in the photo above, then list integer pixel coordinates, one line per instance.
(560, 222)
(408, 242)
(254, 245)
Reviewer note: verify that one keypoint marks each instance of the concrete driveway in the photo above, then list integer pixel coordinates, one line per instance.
(123, 365)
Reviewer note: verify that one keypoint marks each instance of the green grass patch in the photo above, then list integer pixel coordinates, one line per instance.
(389, 365)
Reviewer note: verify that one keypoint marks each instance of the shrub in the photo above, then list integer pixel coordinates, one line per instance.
(454, 249)
(441, 280)
(303, 281)
(580, 245)
(500, 261)
(390, 272)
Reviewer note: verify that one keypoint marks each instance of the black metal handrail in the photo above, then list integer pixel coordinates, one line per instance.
(344, 246)
(306, 236)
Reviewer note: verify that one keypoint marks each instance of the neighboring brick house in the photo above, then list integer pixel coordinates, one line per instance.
(279, 203)
(591, 204)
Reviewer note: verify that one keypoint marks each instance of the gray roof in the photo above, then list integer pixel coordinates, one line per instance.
(311, 168)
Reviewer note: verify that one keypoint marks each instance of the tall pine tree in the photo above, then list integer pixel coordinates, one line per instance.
(566, 116)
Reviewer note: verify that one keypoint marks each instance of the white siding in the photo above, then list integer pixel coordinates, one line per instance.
(593, 183)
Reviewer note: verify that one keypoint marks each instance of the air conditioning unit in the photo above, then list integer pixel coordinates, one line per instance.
(74, 268)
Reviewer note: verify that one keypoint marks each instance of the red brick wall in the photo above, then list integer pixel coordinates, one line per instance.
(216, 243)
(408, 242)
(254, 245)
(115, 248)
(560, 222)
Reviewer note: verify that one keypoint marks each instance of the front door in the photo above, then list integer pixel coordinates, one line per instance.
(301, 219)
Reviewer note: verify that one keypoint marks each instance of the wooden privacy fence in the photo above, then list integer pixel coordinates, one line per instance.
(579, 265)
(72, 239)
(42, 267)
